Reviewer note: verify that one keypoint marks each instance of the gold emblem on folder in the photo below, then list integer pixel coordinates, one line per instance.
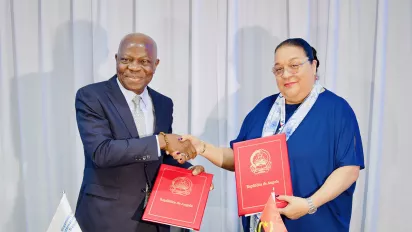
(181, 186)
(260, 161)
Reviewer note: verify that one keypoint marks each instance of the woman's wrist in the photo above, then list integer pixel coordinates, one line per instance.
(202, 148)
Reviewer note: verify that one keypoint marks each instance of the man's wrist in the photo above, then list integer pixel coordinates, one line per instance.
(162, 141)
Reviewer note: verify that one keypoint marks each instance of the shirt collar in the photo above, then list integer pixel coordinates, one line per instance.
(129, 95)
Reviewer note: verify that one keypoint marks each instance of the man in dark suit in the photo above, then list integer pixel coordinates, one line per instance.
(125, 128)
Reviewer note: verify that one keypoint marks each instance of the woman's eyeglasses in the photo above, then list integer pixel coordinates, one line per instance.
(292, 68)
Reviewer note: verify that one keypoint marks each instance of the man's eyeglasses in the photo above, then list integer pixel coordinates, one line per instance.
(292, 68)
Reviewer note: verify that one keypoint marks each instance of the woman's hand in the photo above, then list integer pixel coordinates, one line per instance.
(197, 143)
(297, 207)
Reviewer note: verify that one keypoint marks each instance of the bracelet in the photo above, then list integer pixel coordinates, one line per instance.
(167, 142)
(204, 148)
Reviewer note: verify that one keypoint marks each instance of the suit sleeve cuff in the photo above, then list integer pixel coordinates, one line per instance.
(158, 147)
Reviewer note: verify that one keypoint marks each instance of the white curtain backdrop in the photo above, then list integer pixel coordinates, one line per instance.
(216, 58)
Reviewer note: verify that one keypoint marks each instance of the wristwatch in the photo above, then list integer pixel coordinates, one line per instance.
(312, 208)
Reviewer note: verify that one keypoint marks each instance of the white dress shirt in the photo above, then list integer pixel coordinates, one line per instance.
(146, 107)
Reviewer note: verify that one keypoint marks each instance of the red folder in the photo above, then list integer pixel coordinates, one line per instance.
(261, 167)
(178, 198)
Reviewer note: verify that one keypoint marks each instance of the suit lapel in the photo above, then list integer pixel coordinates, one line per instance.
(157, 107)
(115, 95)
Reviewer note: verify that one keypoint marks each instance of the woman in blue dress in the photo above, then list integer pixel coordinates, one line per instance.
(323, 138)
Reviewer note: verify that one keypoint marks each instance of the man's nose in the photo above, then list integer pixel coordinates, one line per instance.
(134, 66)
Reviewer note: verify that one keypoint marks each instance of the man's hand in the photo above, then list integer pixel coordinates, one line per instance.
(296, 208)
(185, 149)
(196, 170)
(196, 142)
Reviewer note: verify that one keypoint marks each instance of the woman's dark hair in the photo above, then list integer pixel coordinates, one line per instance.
(299, 42)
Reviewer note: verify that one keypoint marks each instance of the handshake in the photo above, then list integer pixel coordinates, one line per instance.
(182, 148)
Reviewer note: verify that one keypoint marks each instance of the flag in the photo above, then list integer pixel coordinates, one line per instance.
(63, 219)
(270, 220)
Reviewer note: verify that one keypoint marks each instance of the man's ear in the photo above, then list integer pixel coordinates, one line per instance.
(156, 64)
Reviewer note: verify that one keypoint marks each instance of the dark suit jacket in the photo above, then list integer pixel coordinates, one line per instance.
(118, 163)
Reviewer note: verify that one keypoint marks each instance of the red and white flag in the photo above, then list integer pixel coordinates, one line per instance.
(63, 219)
(270, 220)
